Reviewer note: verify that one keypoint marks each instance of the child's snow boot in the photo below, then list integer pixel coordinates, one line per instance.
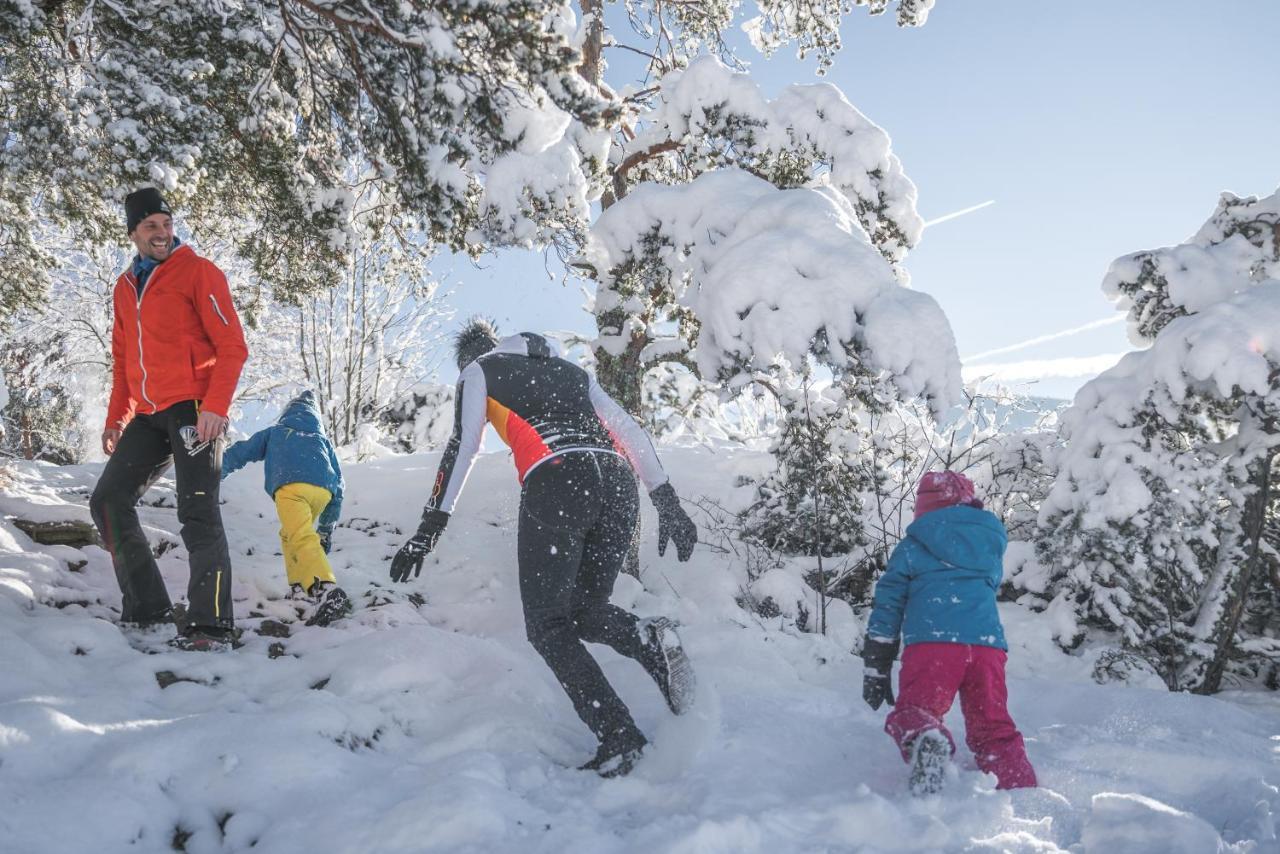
(332, 603)
(664, 659)
(930, 756)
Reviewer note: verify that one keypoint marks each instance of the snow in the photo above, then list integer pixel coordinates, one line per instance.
(1138, 824)
(1227, 348)
(709, 100)
(761, 268)
(436, 727)
(1233, 251)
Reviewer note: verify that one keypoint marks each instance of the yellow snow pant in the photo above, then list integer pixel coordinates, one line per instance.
(299, 505)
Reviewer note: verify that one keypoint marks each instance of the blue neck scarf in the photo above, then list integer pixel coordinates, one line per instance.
(143, 265)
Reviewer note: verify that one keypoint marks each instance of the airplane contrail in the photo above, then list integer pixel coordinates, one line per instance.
(1031, 342)
(1039, 369)
(955, 214)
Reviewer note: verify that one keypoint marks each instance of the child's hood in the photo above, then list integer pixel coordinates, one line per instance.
(302, 414)
(962, 536)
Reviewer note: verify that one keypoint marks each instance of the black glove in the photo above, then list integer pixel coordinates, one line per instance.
(673, 523)
(326, 539)
(412, 553)
(877, 688)
(877, 662)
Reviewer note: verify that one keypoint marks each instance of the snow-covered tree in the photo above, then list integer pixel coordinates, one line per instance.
(703, 123)
(367, 341)
(58, 353)
(40, 418)
(422, 419)
(1162, 520)
(490, 122)
(250, 112)
(676, 403)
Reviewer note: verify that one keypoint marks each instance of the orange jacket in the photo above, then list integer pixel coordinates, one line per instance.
(181, 340)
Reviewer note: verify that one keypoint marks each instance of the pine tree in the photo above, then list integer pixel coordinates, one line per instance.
(705, 120)
(1162, 517)
(252, 112)
(41, 417)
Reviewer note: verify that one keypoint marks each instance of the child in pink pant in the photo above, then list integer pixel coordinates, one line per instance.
(939, 594)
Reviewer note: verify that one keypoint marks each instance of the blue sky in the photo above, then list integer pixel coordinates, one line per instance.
(1097, 128)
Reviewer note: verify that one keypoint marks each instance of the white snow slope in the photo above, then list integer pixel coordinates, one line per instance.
(436, 727)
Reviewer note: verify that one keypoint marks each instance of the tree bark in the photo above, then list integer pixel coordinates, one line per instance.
(1254, 519)
(592, 68)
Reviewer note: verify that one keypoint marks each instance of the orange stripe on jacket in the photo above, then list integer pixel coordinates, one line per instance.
(523, 440)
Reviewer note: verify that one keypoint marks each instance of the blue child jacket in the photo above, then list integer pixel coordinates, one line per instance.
(941, 582)
(295, 450)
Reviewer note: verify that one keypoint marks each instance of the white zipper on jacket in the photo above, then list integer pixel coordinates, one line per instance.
(141, 363)
(221, 316)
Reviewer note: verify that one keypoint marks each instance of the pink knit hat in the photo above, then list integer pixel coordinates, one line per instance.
(939, 489)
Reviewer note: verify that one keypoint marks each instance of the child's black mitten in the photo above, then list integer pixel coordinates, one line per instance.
(877, 660)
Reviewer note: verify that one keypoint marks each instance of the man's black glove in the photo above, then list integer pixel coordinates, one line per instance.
(877, 663)
(673, 523)
(412, 553)
(326, 539)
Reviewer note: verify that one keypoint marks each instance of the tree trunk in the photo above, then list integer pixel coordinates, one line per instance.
(1253, 521)
(592, 68)
(621, 376)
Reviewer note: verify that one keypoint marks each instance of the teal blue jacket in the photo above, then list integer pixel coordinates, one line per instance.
(295, 450)
(941, 582)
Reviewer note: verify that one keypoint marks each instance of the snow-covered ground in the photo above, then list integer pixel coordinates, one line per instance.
(427, 723)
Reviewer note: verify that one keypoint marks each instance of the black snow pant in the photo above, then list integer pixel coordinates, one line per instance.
(578, 513)
(149, 445)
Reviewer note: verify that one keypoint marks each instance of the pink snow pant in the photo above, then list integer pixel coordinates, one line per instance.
(931, 675)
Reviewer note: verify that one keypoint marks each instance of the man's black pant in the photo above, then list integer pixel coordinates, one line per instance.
(149, 445)
(578, 513)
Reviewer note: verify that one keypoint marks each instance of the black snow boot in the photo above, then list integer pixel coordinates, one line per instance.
(204, 639)
(164, 618)
(930, 756)
(617, 755)
(664, 659)
(332, 603)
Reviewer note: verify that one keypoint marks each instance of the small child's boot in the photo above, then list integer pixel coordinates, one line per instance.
(332, 603)
(930, 756)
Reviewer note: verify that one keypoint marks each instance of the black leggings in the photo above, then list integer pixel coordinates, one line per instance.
(578, 514)
(150, 444)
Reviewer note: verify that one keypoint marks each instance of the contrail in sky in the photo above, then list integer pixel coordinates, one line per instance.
(955, 214)
(1031, 342)
(1040, 369)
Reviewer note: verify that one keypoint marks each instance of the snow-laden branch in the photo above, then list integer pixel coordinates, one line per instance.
(768, 271)
(712, 112)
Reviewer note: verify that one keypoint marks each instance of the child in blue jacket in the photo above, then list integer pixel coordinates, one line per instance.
(305, 480)
(939, 594)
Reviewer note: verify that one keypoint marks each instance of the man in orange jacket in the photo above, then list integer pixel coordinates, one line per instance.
(176, 351)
